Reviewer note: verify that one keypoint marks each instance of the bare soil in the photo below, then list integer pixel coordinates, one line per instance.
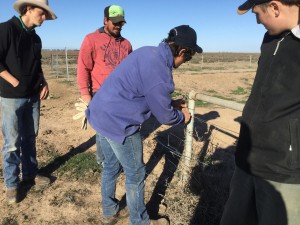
(78, 201)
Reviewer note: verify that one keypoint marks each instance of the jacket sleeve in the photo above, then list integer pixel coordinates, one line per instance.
(159, 102)
(3, 46)
(85, 66)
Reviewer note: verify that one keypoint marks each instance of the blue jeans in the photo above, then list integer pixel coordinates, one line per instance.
(128, 156)
(20, 123)
(256, 201)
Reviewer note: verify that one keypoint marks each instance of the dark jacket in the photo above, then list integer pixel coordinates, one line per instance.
(269, 142)
(20, 55)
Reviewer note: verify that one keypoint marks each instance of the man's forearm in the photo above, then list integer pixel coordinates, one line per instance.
(9, 78)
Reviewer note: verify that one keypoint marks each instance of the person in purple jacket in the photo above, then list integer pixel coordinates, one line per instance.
(139, 86)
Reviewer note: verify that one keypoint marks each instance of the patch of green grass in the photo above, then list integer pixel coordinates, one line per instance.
(80, 166)
(176, 94)
(224, 98)
(200, 103)
(239, 91)
(211, 91)
(9, 221)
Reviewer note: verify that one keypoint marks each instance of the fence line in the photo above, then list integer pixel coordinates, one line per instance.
(63, 63)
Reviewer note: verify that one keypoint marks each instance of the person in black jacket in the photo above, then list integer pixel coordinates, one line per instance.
(265, 187)
(22, 86)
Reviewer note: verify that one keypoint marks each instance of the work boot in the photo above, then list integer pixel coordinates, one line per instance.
(161, 221)
(12, 196)
(39, 181)
(122, 214)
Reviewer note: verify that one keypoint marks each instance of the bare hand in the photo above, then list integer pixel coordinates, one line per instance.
(179, 104)
(86, 98)
(15, 82)
(44, 92)
(187, 115)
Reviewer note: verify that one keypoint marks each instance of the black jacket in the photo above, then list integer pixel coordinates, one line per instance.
(20, 55)
(269, 142)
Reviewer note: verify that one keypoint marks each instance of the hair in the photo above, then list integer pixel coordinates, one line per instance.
(176, 48)
(23, 9)
(290, 2)
(264, 6)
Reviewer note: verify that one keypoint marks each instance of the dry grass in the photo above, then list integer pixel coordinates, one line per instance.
(199, 200)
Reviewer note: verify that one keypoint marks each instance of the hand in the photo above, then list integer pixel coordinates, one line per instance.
(179, 103)
(81, 107)
(187, 115)
(86, 98)
(15, 82)
(9, 78)
(44, 91)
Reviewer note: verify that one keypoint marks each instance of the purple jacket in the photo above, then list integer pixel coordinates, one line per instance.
(139, 86)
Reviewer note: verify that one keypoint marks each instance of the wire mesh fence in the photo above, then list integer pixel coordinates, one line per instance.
(63, 63)
(201, 200)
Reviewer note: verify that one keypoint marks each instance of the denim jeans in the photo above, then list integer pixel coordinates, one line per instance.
(256, 201)
(20, 123)
(128, 156)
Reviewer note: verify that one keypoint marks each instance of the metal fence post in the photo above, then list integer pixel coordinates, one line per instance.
(56, 66)
(67, 63)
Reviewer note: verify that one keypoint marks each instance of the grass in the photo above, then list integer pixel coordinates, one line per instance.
(80, 166)
(239, 91)
(9, 221)
(200, 103)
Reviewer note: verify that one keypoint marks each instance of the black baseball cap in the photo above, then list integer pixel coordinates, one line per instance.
(186, 36)
(249, 5)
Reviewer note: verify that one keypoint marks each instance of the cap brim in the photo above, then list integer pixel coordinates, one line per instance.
(245, 7)
(198, 49)
(117, 19)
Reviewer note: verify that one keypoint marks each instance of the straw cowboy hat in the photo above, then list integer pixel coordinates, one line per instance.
(39, 3)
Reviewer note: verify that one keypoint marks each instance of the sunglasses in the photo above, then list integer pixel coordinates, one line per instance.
(120, 24)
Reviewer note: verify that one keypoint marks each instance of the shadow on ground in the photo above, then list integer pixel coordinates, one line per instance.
(59, 161)
(210, 179)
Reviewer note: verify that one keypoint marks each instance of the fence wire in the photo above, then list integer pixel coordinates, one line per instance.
(210, 172)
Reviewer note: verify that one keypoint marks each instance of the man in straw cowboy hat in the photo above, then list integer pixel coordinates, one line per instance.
(22, 86)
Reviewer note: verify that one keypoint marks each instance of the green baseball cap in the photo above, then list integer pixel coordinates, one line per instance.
(115, 13)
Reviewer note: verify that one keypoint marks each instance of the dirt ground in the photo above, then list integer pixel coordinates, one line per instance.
(69, 201)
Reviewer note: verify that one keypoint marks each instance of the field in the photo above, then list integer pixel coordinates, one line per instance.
(66, 153)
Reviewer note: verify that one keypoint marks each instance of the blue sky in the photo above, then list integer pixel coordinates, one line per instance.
(218, 26)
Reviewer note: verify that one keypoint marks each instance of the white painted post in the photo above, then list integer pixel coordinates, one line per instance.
(189, 138)
(250, 63)
(67, 64)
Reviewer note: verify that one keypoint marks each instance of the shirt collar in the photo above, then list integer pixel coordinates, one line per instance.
(296, 31)
(23, 25)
